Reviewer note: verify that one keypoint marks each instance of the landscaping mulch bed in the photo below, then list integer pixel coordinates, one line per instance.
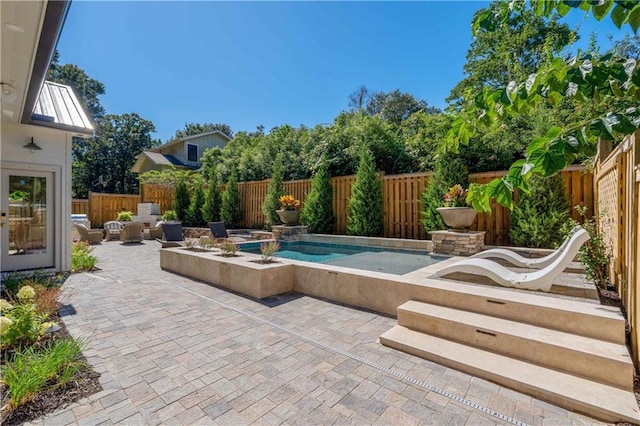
(84, 384)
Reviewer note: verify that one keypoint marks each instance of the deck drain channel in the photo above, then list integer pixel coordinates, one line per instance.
(389, 371)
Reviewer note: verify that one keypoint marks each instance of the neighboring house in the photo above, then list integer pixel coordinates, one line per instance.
(39, 121)
(181, 153)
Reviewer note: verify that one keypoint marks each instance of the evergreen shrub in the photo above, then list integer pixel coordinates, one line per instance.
(181, 202)
(194, 214)
(276, 190)
(365, 205)
(317, 211)
(449, 171)
(230, 211)
(538, 217)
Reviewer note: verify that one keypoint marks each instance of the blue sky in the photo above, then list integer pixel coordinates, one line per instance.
(269, 63)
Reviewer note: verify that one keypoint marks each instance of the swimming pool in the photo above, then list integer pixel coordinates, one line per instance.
(388, 260)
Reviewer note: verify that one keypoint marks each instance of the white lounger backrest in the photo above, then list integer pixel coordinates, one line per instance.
(566, 257)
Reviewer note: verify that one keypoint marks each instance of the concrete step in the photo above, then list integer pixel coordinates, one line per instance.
(582, 318)
(592, 359)
(597, 400)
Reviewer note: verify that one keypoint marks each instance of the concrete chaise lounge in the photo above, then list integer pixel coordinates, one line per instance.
(537, 280)
(525, 262)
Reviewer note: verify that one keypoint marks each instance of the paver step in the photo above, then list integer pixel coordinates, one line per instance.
(597, 400)
(576, 317)
(604, 362)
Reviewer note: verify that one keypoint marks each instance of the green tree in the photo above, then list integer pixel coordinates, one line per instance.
(511, 52)
(538, 217)
(276, 190)
(181, 202)
(230, 211)
(450, 170)
(213, 199)
(317, 211)
(111, 154)
(194, 214)
(191, 129)
(365, 206)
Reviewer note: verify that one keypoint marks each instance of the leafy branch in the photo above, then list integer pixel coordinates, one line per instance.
(583, 79)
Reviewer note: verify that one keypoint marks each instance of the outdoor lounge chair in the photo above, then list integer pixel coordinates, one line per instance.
(112, 229)
(538, 280)
(219, 232)
(154, 232)
(171, 235)
(525, 262)
(92, 236)
(131, 232)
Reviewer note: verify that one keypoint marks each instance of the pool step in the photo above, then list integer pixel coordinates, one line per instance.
(604, 362)
(582, 318)
(598, 400)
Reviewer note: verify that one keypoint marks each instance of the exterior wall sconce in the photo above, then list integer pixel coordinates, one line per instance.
(31, 146)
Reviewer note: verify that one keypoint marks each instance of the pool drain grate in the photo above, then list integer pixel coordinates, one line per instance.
(389, 371)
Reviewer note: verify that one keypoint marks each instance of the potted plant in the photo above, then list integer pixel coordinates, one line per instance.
(289, 210)
(124, 216)
(169, 216)
(455, 213)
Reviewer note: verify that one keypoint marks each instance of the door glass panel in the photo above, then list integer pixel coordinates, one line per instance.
(27, 215)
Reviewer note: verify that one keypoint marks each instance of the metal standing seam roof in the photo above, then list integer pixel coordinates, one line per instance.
(163, 159)
(57, 106)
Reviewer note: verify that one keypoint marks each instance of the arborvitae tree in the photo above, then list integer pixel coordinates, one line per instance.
(538, 217)
(181, 202)
(276, 190)
(230, 211)
(212, 200)
(317, 212)
(365, 205)
(449, 171)
(194, 214)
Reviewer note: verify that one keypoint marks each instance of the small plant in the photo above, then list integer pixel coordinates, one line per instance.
(32, 371)
(46, 300)
(21, 326)
(190, 243)
(287, 202)
(449, 170)
(228, 248)
(268, 250)
(169, 215)
(594, 254)
(206, 243)
(124, 216)
(81, 257)
(456, 196)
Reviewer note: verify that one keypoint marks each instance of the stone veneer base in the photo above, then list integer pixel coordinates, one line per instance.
(457, 243)
(288, 233)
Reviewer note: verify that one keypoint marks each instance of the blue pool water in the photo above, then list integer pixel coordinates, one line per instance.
(392, 261)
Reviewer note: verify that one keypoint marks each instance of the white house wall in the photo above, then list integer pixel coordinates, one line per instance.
(55, 156)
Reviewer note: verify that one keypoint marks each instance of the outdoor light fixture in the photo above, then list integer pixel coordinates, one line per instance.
(31, 146)
(7, 93)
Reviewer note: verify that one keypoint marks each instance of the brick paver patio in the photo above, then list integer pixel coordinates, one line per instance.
(180, 352)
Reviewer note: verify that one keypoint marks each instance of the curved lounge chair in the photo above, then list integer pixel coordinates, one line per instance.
(538, 280)
(525, 262)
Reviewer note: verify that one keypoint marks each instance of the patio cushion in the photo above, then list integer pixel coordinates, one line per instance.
(172, 232)
(218, 230)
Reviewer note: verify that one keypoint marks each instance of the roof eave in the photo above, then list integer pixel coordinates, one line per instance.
(60, 126)
(51, 28)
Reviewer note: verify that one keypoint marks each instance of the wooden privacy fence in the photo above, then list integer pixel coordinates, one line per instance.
(101, 208)
(402, 195)
(617, 199)
(80, 206)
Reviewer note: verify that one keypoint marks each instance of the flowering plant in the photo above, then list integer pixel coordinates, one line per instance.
(456, 196)
(287, 202)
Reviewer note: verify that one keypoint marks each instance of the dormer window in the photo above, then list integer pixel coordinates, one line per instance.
(192, 152)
